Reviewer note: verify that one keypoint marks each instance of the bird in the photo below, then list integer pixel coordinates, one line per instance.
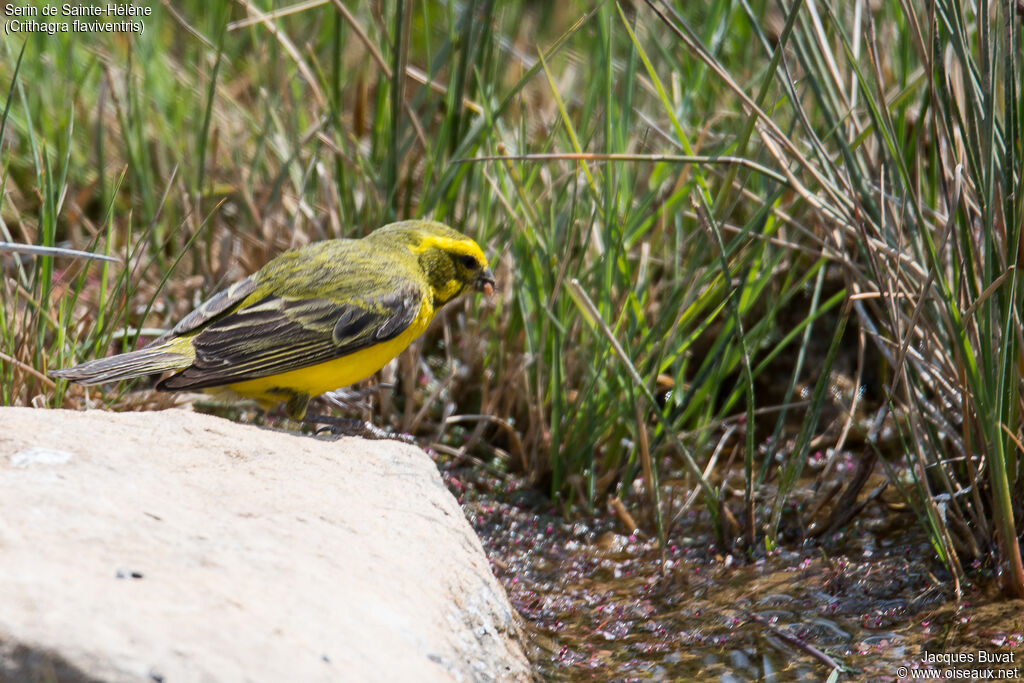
(311, 320)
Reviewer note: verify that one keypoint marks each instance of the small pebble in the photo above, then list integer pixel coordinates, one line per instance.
(129, 574)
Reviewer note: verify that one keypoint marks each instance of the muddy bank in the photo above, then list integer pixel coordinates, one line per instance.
(602, 605)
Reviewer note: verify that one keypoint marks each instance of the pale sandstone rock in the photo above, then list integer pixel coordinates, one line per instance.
(182, 547)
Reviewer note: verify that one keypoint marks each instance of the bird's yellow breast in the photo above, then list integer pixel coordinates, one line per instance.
(340, 372)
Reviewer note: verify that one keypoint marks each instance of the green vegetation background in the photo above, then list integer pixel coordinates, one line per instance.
(728, 235)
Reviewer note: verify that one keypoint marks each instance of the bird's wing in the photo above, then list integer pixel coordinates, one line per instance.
(212, 307)
(276, 334)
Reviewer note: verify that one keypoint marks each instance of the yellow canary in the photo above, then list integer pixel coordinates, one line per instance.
(312, 319)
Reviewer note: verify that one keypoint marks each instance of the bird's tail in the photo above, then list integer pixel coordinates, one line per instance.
(170, 355)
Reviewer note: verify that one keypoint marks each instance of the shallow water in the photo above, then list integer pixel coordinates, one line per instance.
(600, 605)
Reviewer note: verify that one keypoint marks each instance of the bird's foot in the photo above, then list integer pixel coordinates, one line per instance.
(349, 426)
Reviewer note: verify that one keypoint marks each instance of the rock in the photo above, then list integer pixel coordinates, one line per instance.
(173, 546)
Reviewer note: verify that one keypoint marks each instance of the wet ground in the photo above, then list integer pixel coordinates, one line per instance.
(871, 603)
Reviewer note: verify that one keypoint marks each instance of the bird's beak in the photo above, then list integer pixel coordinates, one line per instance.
(485, 282)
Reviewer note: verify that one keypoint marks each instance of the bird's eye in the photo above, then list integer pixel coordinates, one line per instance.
(468, 261)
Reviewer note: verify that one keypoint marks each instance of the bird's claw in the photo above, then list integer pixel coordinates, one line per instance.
(348, 426)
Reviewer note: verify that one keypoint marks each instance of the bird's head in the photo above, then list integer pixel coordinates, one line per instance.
(450, 261)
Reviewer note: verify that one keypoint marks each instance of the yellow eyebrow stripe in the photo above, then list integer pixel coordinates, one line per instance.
(447, 244)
